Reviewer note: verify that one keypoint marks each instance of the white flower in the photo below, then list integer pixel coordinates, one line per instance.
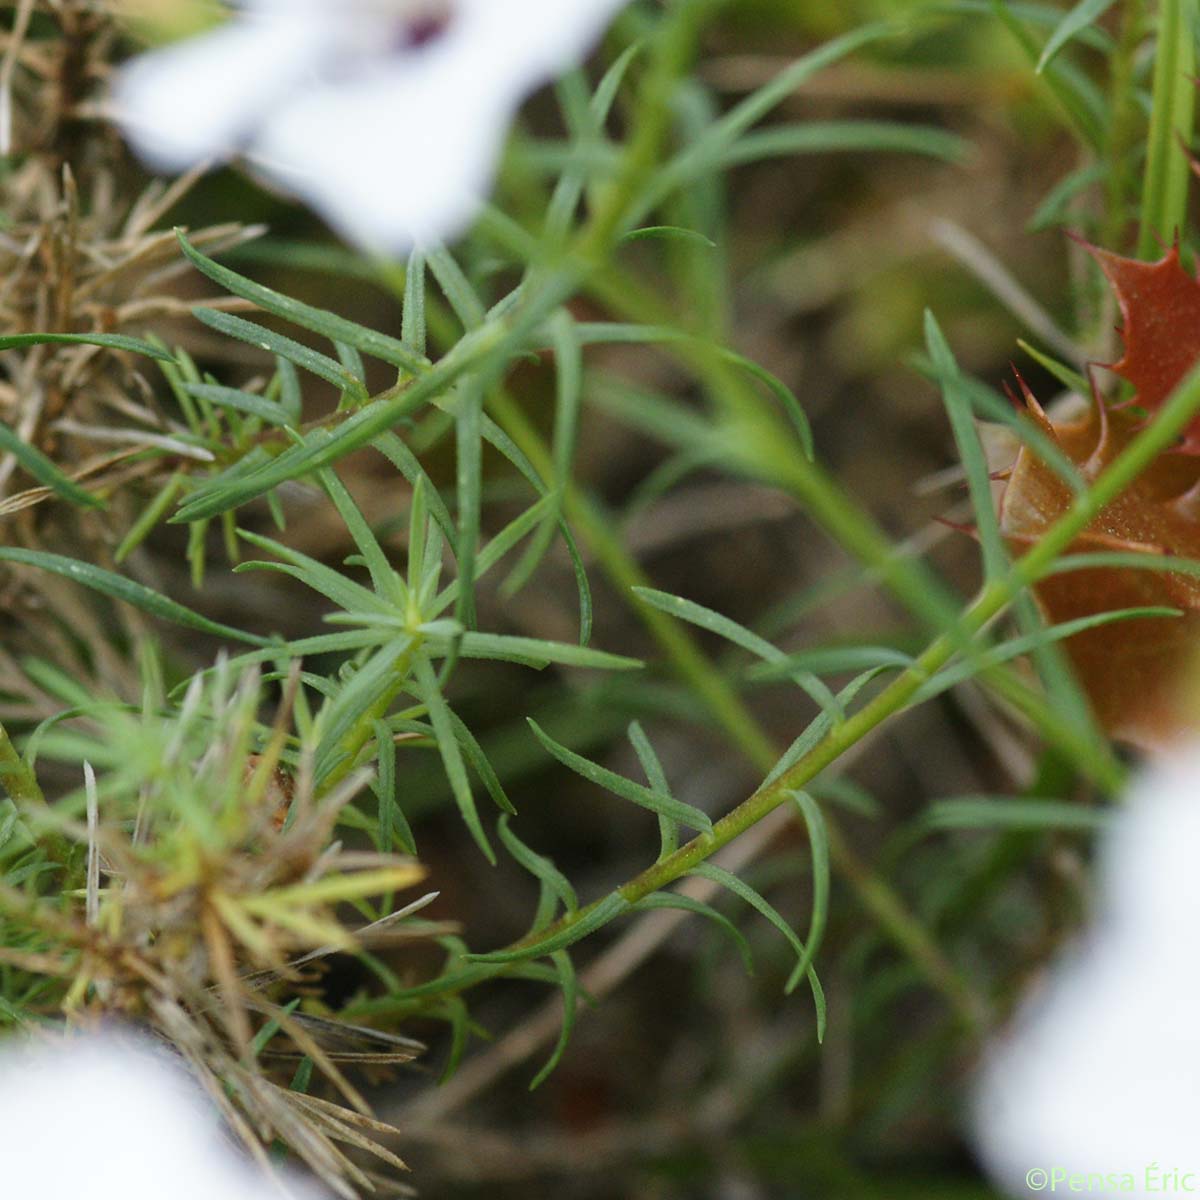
(387, 115)
(1101, 1072)
(114, 1116)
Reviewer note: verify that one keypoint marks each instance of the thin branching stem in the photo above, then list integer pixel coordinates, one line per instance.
(1162, 433)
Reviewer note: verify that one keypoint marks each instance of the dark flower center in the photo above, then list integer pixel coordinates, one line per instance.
(424, 26)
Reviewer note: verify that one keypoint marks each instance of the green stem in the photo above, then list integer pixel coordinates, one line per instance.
(1165, 187)
(760, 445)
(363, 730)
(739, 725)
(1157, 437)
(22, 788)
(1122, 125)
(18, 780)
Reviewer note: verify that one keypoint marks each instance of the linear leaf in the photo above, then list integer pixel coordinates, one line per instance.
(335, 586)
(1013, 813)
(239, 401)
(110, 341)
(354, 700)
(618, 785)
(1085, 13)
(613, 905)
(761, 905)
(44, 471)
(120, 588)
(393, 824)
(818, 843)
(823, 137)
(970, 449)
(295, 352)
(730, 630)
(504, 646)
(569, 984)
(1015, 647)
(698, 908)
(337, 329)
(538, 865)
(657, 778)
(456, 771)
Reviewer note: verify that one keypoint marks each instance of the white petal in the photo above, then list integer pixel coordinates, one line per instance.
(405, 155)
(201, 98)
(399, 160)
(111, 1116)
(1101, 1070)
(537, 39)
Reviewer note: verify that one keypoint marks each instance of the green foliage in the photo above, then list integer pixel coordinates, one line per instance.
(620, 240)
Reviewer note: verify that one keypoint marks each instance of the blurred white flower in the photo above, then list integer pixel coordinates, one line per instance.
(1100, 1073)
(386, 115)
(114, 1116)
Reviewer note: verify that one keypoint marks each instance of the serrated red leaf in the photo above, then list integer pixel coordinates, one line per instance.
(1160, 307)
(1134, 672)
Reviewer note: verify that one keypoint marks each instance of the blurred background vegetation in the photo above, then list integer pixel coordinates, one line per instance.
(693, 1079)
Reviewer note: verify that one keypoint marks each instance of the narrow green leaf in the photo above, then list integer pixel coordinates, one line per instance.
(599, 914)
(570, 996)
(456, 771)
(480, 764)
(825, 137)
(568, 363)
(387, 584)
(538, 865)
(1085, 13)
(1172, 114)
(1137, 560)
(657, 779)
(148, 518)
(456, 287)
(44, 471)
(993, 407)
(1072, 380)
(239, 401)
(302, 356)
(290, 398)
(110, 341)
(357, 701)
(337, 329)
(393, 824)
(690, 904)
(496, 436)
(394, 449)
(468, 445)
(1013, 648)
(820, 725)
(504, 646)
(818, 844)
(321, 448)
(498, 546)
(831, 660)
(126, 590)
(413, 324)
(970, 450)
(334, 585)
(714, 622)
(761, 905)
(626, 789)
(700, 155)
(1077, 95)
(1055, 209)
(669, 233)
(1014, 813)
